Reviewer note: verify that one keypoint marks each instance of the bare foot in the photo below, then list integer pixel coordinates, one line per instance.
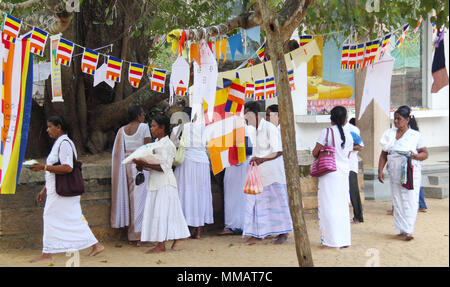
(226, 232)
(401, 234)
(42, 257)
(328, 247)
(282, 238)
(174, 244)
(390, 212)
(145, 244)
(96, 249)
(408, 237)
(196, 234)
(161, 247)
(253, 240)
(423, 210)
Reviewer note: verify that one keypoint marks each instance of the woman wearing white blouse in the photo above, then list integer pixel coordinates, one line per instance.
(163, 216)
(333, 188)
(396, 142)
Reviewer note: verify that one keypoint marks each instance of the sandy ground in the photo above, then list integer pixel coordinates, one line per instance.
(375, 237)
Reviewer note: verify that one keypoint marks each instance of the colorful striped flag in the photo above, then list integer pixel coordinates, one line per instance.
(261, 54)
(305, 39)
(352, 57)
(374, 50)
(359, 56)
(344, 57)
(114, 69)
(235, 101)
(259, 90)
(250, 90)
(16, 109)
(367, 53)
(37, 42)
(158, 80)
(135, 73)
(403, 36)
(418, 25)
(225, 134)
(181, 88)
(89, 61)
(291, 80)
(384, 46)
(11, 28)
(270, 88)
(64, 52)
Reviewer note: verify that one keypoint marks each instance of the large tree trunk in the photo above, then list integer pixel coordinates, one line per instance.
(286, 115)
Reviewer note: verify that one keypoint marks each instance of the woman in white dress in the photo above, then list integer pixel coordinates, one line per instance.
(194, 178)
(65, 227)
(163, 216)
(398, 143)
(267, 213)
(333, 194)
(127, 198)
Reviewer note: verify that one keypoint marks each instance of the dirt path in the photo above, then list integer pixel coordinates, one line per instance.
(429, 248)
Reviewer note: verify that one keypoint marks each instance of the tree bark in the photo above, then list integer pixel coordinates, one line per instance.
(286, 115)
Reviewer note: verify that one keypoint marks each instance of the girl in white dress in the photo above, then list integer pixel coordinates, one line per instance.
(163, 216)
(65, 227)
(333, 194)
(396, 142)
(127, 198)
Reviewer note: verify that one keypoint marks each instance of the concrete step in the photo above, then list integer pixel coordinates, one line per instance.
(435, 191)
(438, 179)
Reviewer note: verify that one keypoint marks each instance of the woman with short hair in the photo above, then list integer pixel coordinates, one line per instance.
(399, 143)
(65, 227)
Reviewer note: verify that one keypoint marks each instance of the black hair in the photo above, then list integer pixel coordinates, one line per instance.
(253, 106)
(162, 120)
(352, 121)
(338, 116)
(133, 113)
(59, 121)
(273, 108)
(405, 112)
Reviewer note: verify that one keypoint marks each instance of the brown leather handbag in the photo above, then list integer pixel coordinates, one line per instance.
(70, 184)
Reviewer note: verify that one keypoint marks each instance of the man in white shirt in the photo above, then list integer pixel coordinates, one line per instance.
(353, 175)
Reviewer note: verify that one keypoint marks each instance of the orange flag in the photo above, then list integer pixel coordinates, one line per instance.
(194, 54)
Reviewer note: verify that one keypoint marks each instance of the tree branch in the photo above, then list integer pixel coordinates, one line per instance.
(20, 6)
(291, 15)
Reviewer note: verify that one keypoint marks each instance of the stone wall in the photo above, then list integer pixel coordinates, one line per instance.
(21, 216)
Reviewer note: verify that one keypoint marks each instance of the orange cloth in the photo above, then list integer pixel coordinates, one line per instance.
(194, 54)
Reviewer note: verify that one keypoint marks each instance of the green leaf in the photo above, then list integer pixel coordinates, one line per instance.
(106, 11)
(109, 22)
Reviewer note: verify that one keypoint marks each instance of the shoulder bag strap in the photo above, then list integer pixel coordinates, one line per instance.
(332, 135)
(73, 153)
(326, 138)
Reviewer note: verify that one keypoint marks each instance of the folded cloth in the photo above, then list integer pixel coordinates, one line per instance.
(144, 153)
(356, 138)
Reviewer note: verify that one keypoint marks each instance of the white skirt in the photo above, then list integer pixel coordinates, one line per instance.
(234, 197)
(334, 213)
(194, 189)
(163, 217)
(65, 227)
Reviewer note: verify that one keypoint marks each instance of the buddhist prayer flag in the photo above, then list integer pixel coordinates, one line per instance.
(270, 88)
(135, 73)
(359, 56)
(291, 80)
(225, 134)
(37, 42)
(305, 39)
(249, 90)
(64, 52)
(344, 57)
(11, 28)
(352, 57)
(89, 61)
(261, 54)
(384, 45)
(235, 101)
(259, 90)
(16, 111)
(114, 69)
(374, 50)
(367, 53)
(403, 36)
(181, 88)
(158, 80)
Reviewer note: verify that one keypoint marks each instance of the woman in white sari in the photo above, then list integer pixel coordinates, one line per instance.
(398, 143)
(127, 198)
(333, 194)
(65, 227)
